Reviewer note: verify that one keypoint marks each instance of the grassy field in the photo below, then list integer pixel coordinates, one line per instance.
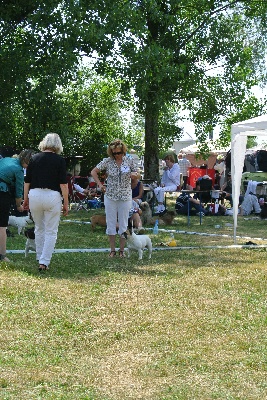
(191, 323)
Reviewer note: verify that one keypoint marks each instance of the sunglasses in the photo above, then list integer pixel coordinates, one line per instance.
(116, 153)
(117, 143)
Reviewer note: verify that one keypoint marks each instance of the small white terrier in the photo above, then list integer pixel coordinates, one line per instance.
(137, 243)
(19, 222)
(30, 242)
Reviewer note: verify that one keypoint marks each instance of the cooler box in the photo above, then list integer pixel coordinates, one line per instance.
(195, 173)
(213, 208)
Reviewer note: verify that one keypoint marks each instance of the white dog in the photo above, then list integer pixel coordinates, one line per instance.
(137, 243)
(30, 242)
(19, 222)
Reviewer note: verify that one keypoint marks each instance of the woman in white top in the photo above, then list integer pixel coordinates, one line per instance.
(120, 169)
(169, 181)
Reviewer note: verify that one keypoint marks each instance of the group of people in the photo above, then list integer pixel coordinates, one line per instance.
(185, 203)
(44, 190)
(170, 182)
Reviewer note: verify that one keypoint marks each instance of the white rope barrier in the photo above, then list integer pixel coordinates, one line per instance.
(233, 246)
(102, 250)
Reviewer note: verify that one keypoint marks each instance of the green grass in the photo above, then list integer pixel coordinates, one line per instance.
(188, 324)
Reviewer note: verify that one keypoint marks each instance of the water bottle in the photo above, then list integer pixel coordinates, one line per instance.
(156, 227)
(216, 206)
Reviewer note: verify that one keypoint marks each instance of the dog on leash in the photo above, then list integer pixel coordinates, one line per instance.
(98, 219)
(30, 242)
(19, 222)
(137, 242)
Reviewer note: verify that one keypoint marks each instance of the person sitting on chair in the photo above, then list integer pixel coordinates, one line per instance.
(251, 202)
(137, 190)
(134, 216)
(169, 182)
(203, 189)
(227, 190)
(88, 191)
(184, 201)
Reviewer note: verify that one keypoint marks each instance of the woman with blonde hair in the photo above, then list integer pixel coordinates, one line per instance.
(45, 186)
(120, 169)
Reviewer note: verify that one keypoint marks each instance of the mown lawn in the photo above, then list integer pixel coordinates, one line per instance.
(189, 324)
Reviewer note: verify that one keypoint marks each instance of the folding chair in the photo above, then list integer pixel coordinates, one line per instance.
(79, 200)
(205, 186)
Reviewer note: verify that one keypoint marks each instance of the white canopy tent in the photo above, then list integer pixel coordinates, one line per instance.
(239, 133)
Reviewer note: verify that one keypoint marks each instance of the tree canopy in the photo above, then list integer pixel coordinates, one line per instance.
(199, 55)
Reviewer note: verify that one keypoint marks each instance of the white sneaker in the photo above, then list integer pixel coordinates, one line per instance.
(200, 213)
(4, 258)
(161, 208)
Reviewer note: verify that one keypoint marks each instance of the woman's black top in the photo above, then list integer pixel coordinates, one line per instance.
(46, 170)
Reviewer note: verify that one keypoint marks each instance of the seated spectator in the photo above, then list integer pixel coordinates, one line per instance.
(184, 201)
(204, 183)
(137, 190)
(227, 190)
(251, 202)
(134, 216)
(88, 191)
(169, 182)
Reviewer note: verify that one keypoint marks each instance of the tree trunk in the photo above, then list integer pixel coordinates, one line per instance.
(151, 156)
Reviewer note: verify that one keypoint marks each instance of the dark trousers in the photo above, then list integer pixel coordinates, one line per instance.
(5, 204)
(185, 179)
(193, 209)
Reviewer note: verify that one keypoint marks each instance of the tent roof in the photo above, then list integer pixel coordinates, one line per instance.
(251, 127)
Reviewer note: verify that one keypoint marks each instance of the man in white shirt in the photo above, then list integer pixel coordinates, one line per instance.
(169, 181)
(184, 165)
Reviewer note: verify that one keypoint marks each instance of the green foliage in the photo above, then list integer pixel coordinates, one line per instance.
(199, 55)
(90, 116)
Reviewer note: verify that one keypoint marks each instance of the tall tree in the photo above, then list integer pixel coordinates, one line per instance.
(37, 55)
(201, 55)
(204, 55)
